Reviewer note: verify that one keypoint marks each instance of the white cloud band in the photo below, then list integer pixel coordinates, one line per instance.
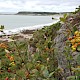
(38, 5)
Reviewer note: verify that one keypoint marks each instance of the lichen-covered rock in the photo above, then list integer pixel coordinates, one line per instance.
(60, 45)
(60, 48)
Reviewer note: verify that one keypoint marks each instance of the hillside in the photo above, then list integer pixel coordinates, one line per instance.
(53, 53)
(59, 43)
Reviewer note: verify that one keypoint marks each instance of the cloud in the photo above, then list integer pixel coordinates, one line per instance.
(38, 5)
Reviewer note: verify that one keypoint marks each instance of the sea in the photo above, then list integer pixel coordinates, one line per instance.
(16, 23)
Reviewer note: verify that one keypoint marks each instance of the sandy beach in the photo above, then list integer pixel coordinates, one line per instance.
(25, 34)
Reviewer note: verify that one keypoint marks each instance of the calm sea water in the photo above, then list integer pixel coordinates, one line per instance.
(16, 22)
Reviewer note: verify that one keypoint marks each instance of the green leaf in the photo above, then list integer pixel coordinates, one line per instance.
(78, 48)
(65, 16)
(74, 29)
(21, 73)
(51, 74)
(46, 73)
(78, 59)
(29, 66)
(42, 67)
(71, 78)
(49, 44)
(35, 72)
(76, 69)
(0, 64)
(62, 19)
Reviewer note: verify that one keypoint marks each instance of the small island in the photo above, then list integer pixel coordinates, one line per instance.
(39, 13)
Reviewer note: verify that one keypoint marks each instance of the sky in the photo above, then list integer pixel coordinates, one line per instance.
(38, 5)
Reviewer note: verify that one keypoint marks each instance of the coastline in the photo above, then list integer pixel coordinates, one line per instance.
(20, 33)
(18, 30)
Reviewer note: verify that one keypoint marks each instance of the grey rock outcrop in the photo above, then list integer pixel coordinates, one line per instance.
(60, 44)
(60, 47)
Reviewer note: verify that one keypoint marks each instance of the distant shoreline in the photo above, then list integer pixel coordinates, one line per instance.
(34, 13)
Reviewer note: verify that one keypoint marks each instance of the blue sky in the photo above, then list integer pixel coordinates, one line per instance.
(38, 5)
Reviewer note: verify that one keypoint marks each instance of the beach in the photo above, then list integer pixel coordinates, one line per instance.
(16, 24)
(22, 32)
(18, 36)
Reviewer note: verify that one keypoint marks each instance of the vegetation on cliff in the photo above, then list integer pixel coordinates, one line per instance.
(52, 54)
